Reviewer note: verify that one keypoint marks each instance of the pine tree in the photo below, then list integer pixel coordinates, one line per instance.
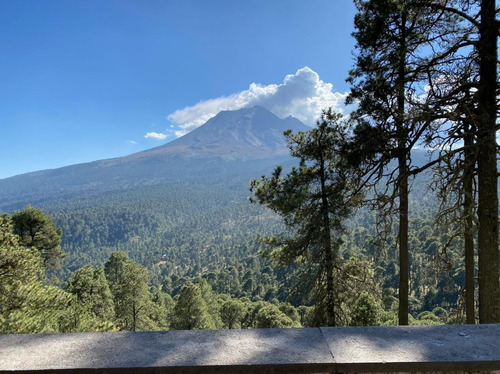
(487, 48)
(36, 230)
(211, 301)
(232, 312)
(467, 69)
(313, 199)
(128, 282)
(190, 311)
(269, 316)
(392, 117)
(27, 305)
(163, 309)
(93, 304)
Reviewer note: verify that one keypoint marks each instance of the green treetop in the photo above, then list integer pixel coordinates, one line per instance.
(36, 230)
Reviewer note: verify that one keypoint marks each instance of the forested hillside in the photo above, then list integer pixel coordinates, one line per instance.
(190, 224)
(213, 273)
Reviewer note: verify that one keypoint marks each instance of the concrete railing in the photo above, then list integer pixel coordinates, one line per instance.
(308, 350)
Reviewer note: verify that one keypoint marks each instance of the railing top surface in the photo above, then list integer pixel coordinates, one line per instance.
(327, 349)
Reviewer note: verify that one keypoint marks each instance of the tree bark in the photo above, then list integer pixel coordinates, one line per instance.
(403, 244)
(470, 300)
(488, 261)
(402, 184)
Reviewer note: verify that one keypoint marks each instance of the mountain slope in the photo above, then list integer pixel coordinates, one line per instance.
(249, 139)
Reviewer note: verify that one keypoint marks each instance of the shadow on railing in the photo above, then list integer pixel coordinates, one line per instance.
(447, 348)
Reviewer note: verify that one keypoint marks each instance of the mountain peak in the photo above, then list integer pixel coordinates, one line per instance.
(247, 109)
(247, 133)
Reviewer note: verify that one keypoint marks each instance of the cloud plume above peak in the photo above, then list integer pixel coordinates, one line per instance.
(302, 95)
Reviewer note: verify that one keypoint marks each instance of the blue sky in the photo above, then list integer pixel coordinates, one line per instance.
(83, 80)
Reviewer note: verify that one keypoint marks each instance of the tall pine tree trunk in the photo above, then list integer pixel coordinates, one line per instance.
(403, 243)
(470, 301)
(489, 286)
(402, 184)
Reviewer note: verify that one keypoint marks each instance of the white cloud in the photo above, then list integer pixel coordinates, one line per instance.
(155, 135)
(302, 95)
(133, 142)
